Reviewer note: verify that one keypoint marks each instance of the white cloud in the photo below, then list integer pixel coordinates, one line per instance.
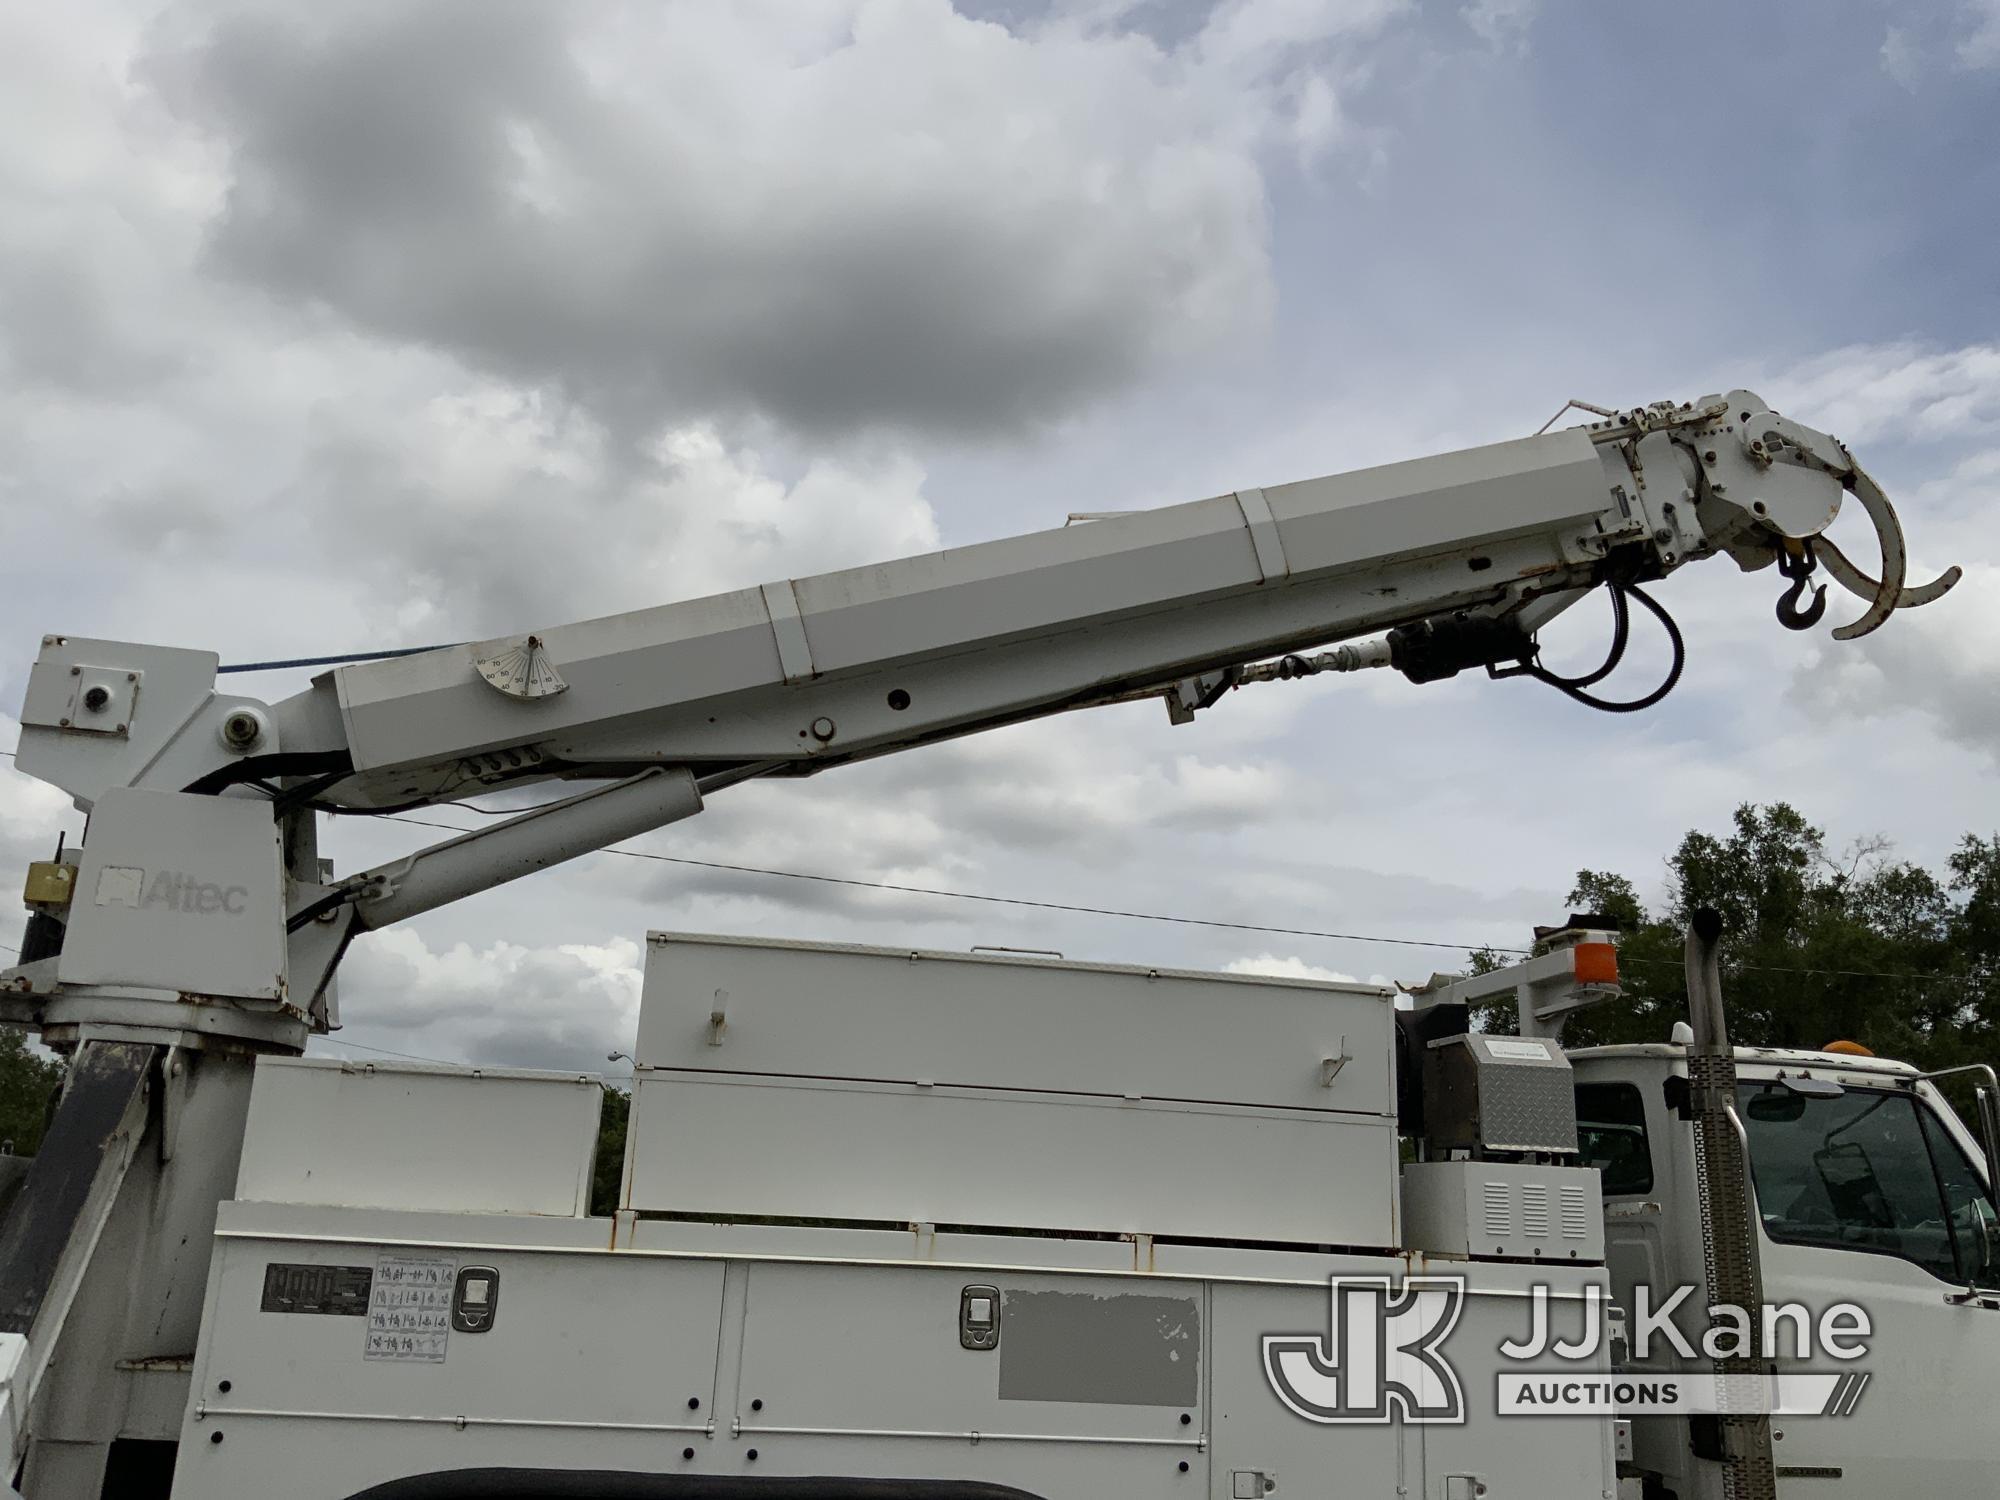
(538, 382)
(1088, 791)
(509, 509)
(1256, 36)
(565, 1006)
(1900, 57)
(357, 497)
(1910, 390)
(1070, 785)
(1502, 24)
(872, 214)
(1940, 660)
(1943, 660)
(1980, 47)
(1287, 967)
(1964, 35)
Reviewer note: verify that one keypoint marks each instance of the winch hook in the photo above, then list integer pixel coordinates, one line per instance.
(1799, 568)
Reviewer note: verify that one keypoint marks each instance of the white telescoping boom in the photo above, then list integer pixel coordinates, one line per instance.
(196, 925)
(1459, 557)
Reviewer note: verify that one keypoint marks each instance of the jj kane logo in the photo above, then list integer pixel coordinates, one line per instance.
(1382, 1358)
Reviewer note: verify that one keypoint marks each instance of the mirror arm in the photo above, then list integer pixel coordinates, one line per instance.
(1987, 1095)
(1986, 1099)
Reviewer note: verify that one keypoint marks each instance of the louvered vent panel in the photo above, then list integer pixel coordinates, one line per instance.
(1499, 1208)
(1575, 1214)
(1535, 1209)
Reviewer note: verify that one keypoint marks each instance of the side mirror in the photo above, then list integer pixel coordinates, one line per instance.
(1989, 1134)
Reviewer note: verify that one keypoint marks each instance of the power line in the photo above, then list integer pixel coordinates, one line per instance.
(1667, 963)
(1075, 909)
(1110, 911)
(334, 1041)
(1146, 916)
(1011, 901)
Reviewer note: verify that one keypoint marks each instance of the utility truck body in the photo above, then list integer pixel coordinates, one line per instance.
(886, 1215)
(929, 1218)
(893, 1226)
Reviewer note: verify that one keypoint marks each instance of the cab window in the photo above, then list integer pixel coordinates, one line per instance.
(1611, 1136)
(1872, 1170)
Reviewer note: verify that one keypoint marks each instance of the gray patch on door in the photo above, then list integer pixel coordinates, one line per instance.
(1078, 1346)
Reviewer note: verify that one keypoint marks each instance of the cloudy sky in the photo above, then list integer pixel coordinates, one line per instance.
(331, 328)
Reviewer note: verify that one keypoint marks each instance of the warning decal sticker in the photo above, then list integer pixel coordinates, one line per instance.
(409, 1310)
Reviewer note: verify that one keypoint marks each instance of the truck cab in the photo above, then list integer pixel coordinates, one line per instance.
(1869, 1191)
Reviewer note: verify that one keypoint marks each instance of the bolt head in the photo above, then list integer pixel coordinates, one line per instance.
(241, 730)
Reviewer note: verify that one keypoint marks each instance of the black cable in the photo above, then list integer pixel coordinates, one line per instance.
(283, 763)
(305, 916)
(335, 810)
(291, 798)
(1572, 687)
(1621, 637)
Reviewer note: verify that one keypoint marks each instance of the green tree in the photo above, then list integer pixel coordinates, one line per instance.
(27, 1083)
(1817, 946)
(608, 1172)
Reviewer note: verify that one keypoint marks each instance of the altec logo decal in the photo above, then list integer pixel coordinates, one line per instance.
(119, 885)
(1382, 1358)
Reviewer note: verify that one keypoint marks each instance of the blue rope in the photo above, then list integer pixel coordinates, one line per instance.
(329, 661)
